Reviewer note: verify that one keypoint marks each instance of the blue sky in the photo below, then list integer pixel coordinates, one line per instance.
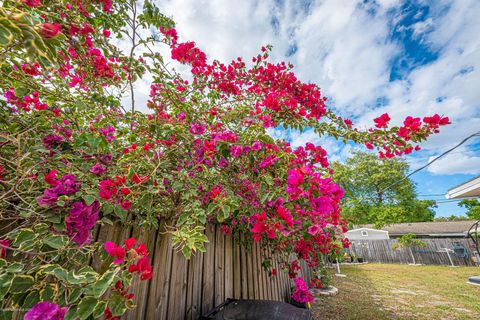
(369, 57)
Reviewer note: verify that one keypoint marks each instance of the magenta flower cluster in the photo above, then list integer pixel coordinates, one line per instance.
(66, 185)
(301, 293)
(46, 310)
(81, 220)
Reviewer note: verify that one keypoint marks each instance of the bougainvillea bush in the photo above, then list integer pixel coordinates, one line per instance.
(75, 152)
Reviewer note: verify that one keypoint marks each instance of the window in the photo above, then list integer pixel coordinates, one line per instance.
(364, 233)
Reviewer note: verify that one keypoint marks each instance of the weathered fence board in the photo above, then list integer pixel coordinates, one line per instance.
(186, 289)
(381, 251)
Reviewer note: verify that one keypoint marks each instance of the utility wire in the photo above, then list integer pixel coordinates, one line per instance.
(433, 160)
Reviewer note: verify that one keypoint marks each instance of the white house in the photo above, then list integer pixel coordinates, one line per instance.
(366, 234)
(471, 188)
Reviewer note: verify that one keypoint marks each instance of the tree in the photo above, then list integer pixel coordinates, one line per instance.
(473, 208)
(75, 153)
(377, 191)
(452, 218)
(408, 241)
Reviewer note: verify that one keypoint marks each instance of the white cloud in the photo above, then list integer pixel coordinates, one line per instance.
(348, 52)
(465, 163)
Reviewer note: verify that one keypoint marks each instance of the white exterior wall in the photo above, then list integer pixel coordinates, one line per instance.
(366, 234)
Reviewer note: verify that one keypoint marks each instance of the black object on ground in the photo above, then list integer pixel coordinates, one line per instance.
(474, 280)
(257, 310)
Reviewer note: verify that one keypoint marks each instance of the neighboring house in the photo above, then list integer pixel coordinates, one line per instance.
(470, 188)
(434, 229)
(366, 234)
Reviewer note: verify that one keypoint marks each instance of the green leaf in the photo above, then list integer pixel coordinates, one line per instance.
(226, 211)
(32, 299)
(60, 274)
(21, 91)
(6, 37)
(71, 314)
(15, 267)
(23, 236)
(74, 278)
(122, 214)
(88, 272)
(99, 288)
(89, 199)
(99, 309)
(21, 284)
(41, 228)
(47, 292)
(107, 208)
(183, 218)
(264, 197)
(117, 305)
(55, 241)
(86, 307)
(5, 283)
(187, 252)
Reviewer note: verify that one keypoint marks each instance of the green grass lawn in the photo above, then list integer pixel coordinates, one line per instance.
(388, 291)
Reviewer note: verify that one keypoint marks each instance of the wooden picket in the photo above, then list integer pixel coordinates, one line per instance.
(186, 289)
(434, 253)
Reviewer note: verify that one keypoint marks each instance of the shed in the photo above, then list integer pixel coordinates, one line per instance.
(366, 234)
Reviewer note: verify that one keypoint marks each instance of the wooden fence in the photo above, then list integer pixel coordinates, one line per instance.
(186, 289)
(434, 253)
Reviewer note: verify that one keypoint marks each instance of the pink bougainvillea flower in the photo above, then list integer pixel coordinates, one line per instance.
(65, 186)
(107, 189)
(106, 33)
(48, 199)
(50, 30)
(98, 169)
(141, 249)
(32, 3)
(295, 178)
(142, 267)
(226, 229)
(81, 220)
(256, 145)
(181, 116)
(52, 140)
(115, 251)
(301, 292)
(126, 205)
(313, 230)
(236, 151)
(139, 179)
(197, 128)
(51, 178)
(285, 215)
(382, 121)
(3, 250)
(46, 310)
(129, 243)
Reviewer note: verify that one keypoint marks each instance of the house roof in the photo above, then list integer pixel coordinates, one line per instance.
(369, 229)
(470, 188)
(440, 228)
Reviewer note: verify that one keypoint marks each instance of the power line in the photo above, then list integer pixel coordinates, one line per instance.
(432, 161)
